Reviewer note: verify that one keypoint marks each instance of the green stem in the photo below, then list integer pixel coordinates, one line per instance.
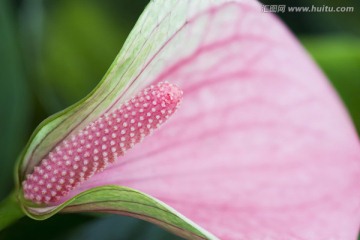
(10, 211)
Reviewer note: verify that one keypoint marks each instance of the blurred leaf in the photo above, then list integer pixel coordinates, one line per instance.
(127, 228)
(14, 99)
(85, 227)
(80, 42)
(339, 57)
(55, 228)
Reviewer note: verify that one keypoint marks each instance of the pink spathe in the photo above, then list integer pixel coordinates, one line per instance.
(261, 148)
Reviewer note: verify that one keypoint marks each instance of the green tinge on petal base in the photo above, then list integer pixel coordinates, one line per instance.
(125, 201)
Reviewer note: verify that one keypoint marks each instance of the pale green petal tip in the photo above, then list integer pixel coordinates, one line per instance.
(124, 201)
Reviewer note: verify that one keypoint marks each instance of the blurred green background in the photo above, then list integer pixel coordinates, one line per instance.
(52, 53)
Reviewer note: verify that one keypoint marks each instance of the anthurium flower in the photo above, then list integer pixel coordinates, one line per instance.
(261, 147)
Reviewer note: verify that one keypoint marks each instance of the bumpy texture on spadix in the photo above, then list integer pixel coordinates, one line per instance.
(92, 149)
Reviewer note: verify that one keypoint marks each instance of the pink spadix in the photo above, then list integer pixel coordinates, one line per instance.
(99, 144)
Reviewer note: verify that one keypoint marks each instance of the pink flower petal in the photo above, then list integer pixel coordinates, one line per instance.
(261, 147)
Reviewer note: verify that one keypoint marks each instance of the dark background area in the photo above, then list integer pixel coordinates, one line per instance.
(52, 53)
